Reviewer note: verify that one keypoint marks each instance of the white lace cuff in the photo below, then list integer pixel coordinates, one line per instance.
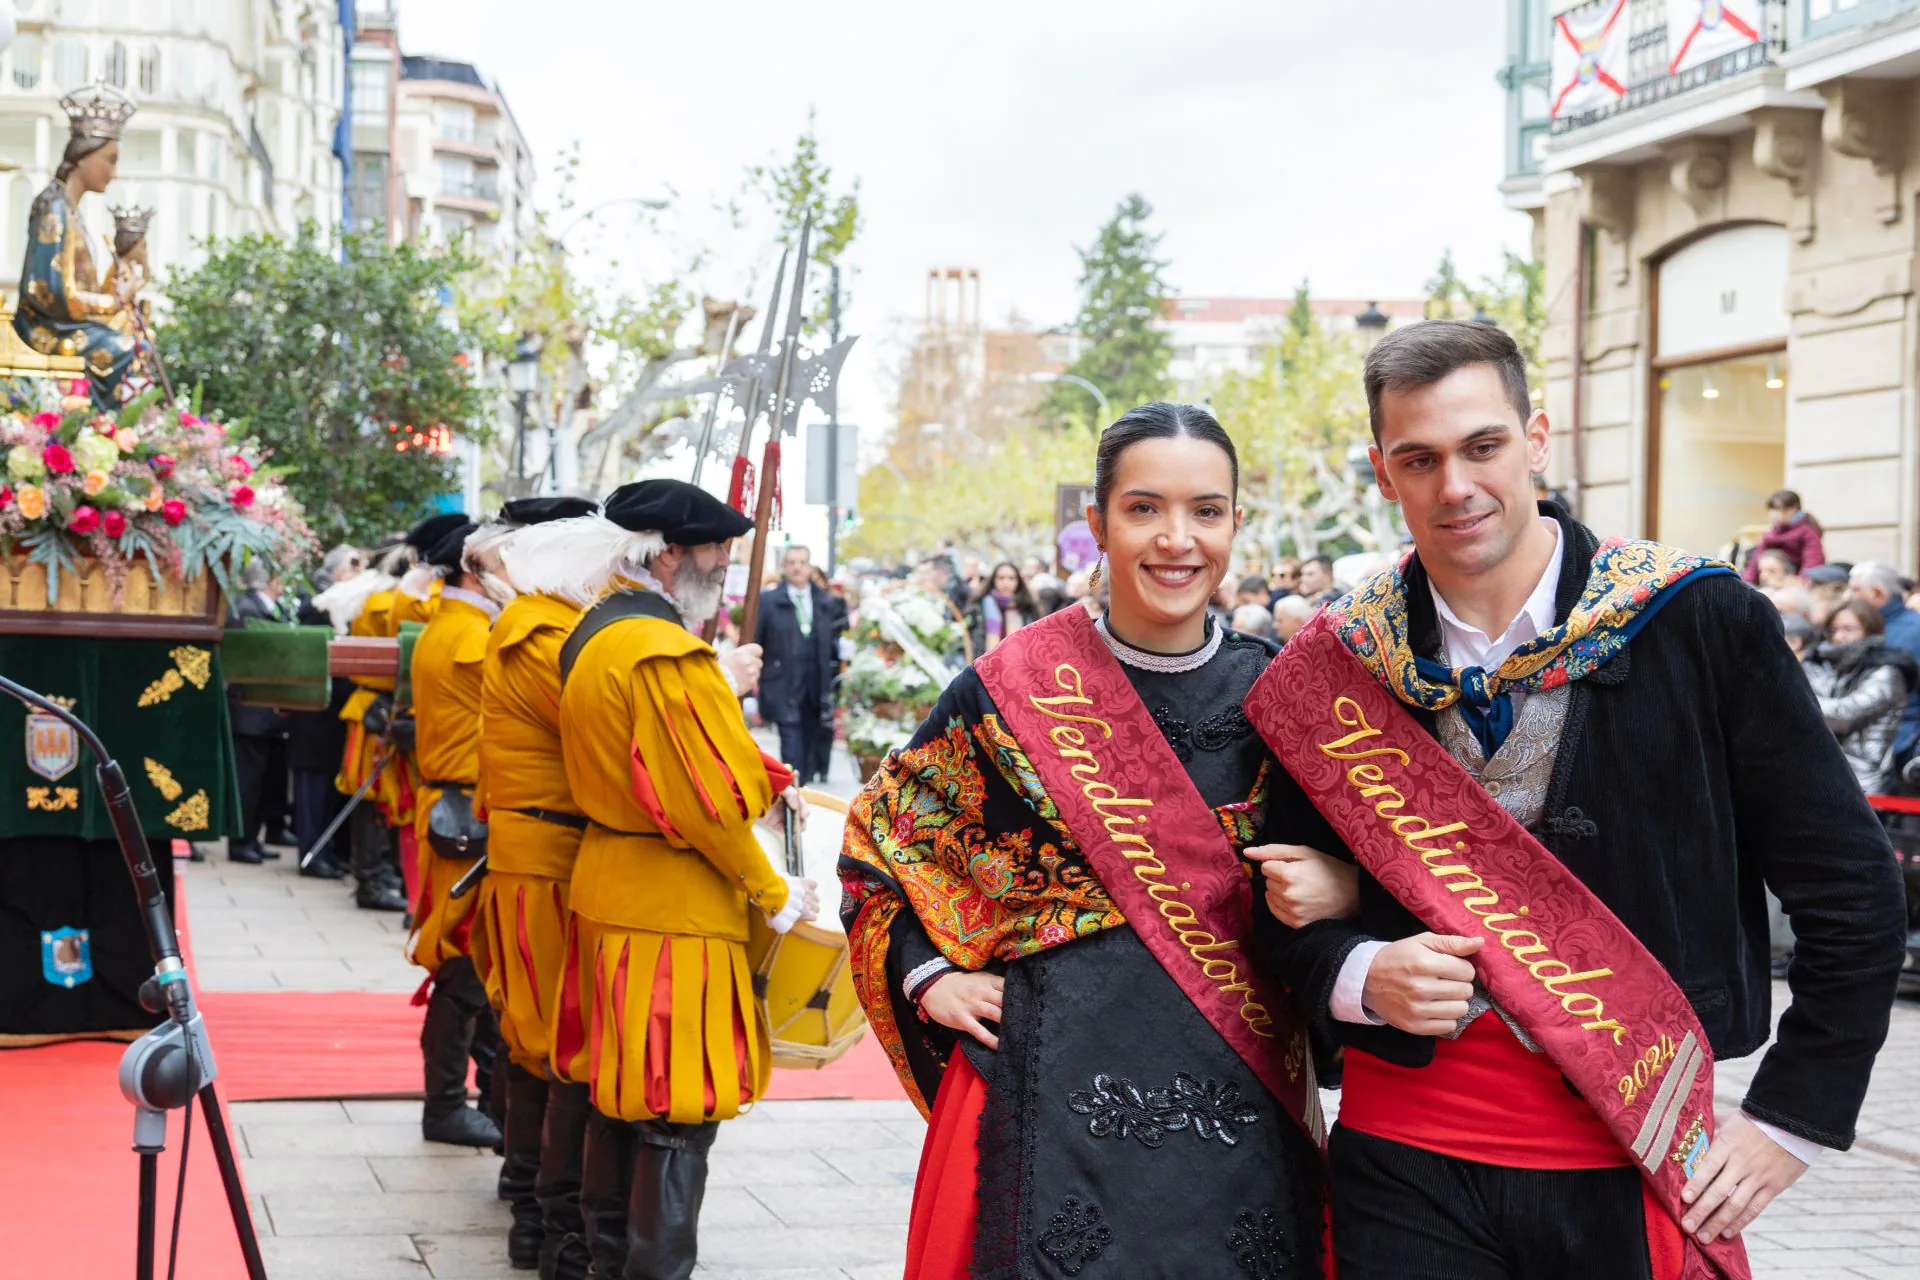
(912, 984)
(789, 915)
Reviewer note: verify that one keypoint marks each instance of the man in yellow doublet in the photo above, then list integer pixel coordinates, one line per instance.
(446, 700)
(657, 1013)
(518, 942)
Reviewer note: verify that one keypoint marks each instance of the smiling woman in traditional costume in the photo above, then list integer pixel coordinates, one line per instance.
(1049, 907)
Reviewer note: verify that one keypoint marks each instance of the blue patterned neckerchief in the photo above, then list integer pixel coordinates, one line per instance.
(1626, 585)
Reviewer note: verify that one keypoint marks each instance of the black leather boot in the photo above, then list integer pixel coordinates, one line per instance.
(663, 1215)
(375, 886)
(606, 1184)
(446, 1041)
(563, 1255)
(526, 1118)
(490, 1077)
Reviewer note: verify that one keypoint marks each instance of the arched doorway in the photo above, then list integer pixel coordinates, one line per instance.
(1717, 426)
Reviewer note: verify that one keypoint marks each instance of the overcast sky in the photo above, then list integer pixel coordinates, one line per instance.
(1342, 141)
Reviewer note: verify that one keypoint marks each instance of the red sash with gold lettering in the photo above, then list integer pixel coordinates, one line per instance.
(1588, 992)
(1150, 837)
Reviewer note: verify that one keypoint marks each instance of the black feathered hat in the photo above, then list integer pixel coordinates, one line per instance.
(525, 511)
(445, 553)
(679, 512)
(427, 534)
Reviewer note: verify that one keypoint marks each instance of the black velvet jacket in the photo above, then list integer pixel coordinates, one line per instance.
(1695, 771)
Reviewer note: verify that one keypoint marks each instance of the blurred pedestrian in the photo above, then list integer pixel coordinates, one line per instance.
(1863, 684)
(1774, 568)
(1291, 614)
(1284, 581)
(1790, 599)
(800, 649)
(1879, 584)
(1790, 531)
(1005, 607)
(1316, 578)
(1802, 636)
(1253, 620)
(1827, 584)
(1253, 590)
(316, 739)
(259, 735)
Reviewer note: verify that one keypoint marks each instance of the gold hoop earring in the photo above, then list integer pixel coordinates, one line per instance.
(1093, 579)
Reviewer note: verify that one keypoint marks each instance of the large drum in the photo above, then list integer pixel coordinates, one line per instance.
(800, 978)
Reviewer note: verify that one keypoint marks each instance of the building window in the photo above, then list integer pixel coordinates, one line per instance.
(69, 64)
(186, 156)
(1718, 445)
(370, 92)
(456, 176)
(26, 60)
(369, 189)
(455, 120)
(150, 70)
(115, 73)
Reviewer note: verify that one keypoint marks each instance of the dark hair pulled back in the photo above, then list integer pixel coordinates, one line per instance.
(1159, 420)
(79, 147)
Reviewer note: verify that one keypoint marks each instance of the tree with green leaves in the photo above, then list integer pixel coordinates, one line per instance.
(801, 187)
(1512, 299)
(339, 358)
(1123, 300)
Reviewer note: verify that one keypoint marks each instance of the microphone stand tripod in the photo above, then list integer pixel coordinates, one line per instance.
(170, 1066)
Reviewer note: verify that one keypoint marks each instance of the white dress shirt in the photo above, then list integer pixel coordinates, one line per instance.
(1469, 646)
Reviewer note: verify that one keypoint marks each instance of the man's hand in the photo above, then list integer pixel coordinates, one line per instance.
(742, 664)
(1304, 884)
(1422, 984)
(962, 1001)
(776, 821)
(809, 892)
(1743, 1171)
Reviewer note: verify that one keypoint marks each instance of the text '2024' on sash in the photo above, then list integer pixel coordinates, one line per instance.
(1586, 990)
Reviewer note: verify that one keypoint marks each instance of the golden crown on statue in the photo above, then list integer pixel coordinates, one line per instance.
(98, 111)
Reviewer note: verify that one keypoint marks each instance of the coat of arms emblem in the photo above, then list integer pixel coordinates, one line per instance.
(53, 748)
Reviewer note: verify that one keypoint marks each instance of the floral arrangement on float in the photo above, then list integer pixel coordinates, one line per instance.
(907, 645)
(86, 499)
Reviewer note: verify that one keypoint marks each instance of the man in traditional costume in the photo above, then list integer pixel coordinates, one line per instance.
(450, 837)
(519, 944)
(657, 1011)
(1568, 768)
(65, 307)
(1050, 921)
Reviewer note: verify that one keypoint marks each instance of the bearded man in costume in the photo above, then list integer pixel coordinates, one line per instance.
(1569, 769)
(450, 838)
(534, 831)
(657, 1012)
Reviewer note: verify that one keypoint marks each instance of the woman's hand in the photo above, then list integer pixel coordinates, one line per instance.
(962, 1001)
(1304, 884)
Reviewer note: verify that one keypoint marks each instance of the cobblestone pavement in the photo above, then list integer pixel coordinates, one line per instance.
(800, 1190)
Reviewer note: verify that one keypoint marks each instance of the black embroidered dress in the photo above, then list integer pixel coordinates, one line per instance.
(1121, 1135)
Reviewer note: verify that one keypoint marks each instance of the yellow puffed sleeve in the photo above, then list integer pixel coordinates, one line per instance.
(698, 773)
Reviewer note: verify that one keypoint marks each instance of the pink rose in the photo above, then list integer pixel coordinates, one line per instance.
(242, 496)
(238, 467)
(59, 461)
(84, 520)
(113, 524)
(105, 426)
(46, 421)
(6, 495)
(173, 511)
(188, 420)
(162, 465)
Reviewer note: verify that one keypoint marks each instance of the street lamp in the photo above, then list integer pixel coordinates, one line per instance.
(523, 375)
(1106, 410)
(1372, 323)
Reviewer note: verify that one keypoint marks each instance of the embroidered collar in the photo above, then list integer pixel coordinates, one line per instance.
(1163, 663)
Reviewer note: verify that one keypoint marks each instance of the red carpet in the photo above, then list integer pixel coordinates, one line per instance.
(70, 1180)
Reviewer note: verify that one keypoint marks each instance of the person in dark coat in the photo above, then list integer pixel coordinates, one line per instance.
(259, 733)
(317, 739)
(798, 632)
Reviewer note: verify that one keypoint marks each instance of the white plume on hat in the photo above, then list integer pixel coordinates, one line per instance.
(578, 560)
(344, 602)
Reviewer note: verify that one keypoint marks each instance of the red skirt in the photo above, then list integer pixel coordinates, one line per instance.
(940, 1230)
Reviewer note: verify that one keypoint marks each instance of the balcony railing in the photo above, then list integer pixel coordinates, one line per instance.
(472, 190)
(1652, 49)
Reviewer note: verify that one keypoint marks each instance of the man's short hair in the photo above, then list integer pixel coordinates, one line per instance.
(1783, 500)
(1254, 619)
(792, 547)
(1299, 608)
(1775, 553)
(1325, 561)
(1253, 584)
(1421, 354)
(1877, 573)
